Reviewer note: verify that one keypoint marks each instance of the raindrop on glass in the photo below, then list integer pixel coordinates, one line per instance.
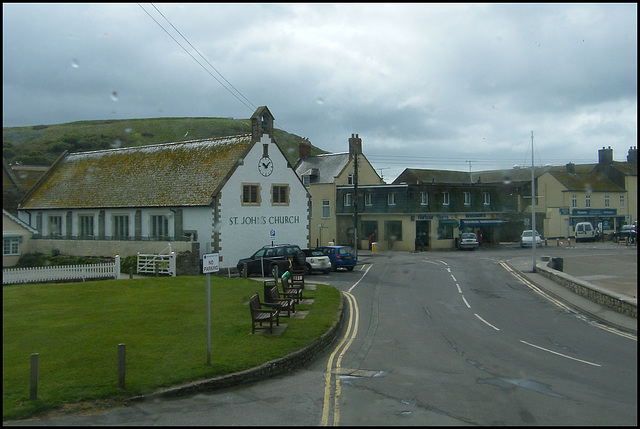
(74, 63)
(114, 96)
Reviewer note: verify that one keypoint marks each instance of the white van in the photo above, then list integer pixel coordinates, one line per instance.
(584, 231)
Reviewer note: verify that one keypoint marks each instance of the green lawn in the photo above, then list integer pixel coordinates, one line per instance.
(76, 328)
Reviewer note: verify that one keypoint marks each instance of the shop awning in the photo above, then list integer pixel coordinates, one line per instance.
(448, 222)
(482, 222)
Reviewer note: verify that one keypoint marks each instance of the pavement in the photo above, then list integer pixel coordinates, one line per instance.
(617, 275)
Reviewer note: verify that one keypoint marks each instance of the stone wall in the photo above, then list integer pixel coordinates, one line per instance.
(620, 303)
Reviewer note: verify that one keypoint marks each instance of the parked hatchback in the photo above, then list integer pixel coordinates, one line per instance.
(316, 261)
(340, 256)
(527, 238)
(468, 240)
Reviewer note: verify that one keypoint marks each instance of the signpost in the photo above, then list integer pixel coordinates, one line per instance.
(210, 264)
(272, 236)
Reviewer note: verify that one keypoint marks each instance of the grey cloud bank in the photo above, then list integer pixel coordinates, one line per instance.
(425, 86)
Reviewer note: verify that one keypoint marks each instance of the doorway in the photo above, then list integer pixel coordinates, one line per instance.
(423, 229)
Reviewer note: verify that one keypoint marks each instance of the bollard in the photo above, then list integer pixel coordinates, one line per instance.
(121, 365)
(34, 377)
(245, 270)
(157, 268)
(557, 242)
(568, 242)
(130, 271)
(545, 242)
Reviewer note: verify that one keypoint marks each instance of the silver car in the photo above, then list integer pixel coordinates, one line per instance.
(526, 238)
(468, 240)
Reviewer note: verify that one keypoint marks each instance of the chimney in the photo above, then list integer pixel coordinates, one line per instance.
(632, 158)
(355, 145)
(605, 156)
(571, 168)
(304, 148)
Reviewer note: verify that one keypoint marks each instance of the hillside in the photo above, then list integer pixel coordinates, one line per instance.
(43, 144)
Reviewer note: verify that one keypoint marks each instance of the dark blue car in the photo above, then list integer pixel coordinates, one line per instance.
(340, 256)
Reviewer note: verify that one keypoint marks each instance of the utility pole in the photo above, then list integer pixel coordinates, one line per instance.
(355, 147)
(534, 235)
(355, 203)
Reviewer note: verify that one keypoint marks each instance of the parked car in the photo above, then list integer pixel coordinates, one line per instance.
(340, 256)
(627, 231)
(468, 240)
(527, 238)
(585, 231)
(316, 261)
(272, 260)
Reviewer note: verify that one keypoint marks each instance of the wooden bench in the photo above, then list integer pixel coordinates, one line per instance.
(289, 291)
(260, 314)
(297, 278)
(272, 296)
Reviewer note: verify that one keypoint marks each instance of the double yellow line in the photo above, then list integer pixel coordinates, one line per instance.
(340, 350)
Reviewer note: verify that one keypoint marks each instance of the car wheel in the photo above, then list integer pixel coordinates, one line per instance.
(350, 268)
(307, 269)
(326, 271)
(241, 271)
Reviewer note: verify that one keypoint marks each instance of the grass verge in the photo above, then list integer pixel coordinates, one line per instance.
(76, 328)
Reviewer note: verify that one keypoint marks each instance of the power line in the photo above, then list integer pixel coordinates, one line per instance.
(196, 60)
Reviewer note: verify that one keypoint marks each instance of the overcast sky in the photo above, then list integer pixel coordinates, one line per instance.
(445, 86)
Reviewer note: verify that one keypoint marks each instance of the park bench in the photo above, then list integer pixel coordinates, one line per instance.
(290, 291)
(272, 296)
(260, 314)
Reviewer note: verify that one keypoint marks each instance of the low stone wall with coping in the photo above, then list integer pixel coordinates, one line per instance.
(618, 302)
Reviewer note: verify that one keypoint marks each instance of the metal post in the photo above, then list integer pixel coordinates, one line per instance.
(208, 319)
(121, 365)
(34, 377)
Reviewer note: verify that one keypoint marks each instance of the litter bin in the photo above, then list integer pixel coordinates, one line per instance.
(267, 285)
(557, 264)
(374, 247)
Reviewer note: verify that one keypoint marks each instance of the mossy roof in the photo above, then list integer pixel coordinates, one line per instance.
(163, 175)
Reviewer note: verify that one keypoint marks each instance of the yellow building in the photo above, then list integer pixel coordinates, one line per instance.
(604, 194)
(321, 174)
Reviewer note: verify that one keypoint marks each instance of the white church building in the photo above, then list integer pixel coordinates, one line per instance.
(229, 195)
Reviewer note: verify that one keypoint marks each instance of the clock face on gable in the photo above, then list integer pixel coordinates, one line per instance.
(265, 166)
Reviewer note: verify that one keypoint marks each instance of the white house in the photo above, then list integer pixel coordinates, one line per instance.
(228, 195)
(16, 236)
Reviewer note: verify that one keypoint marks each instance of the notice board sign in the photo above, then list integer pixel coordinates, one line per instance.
(210, 263)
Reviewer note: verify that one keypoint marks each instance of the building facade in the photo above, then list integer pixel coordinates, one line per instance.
(431, 214)
(322, 175)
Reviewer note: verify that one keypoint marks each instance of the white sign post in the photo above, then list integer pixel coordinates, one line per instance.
(210, 264)
(272, 236)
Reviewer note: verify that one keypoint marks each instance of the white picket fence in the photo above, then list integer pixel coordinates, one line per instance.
(61, 273)
(165, 263)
